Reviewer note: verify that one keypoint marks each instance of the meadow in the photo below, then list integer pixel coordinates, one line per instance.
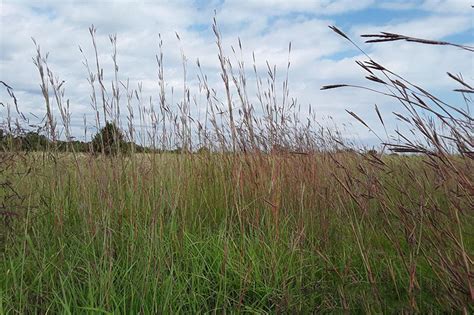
(271, 215)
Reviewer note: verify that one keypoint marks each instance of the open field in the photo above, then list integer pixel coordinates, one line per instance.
(258, 233)
(238, 209)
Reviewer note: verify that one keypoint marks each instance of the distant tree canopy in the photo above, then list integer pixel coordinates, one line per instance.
(30, 141)
(110, 140)
(33, 141)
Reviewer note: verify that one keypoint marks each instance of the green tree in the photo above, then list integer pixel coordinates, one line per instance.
(204, 150)
(110, 140)
(33, 141)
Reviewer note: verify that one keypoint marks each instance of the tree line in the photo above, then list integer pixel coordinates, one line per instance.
(110, 140)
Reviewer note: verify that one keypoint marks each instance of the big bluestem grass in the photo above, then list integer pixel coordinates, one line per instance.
(246, 208)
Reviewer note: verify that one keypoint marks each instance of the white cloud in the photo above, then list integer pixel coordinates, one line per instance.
(318, 55)
(448, 6)
(324, 7)
(432, 27)
(397, 4)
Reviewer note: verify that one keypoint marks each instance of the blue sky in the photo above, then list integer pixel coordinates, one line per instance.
(265, 27)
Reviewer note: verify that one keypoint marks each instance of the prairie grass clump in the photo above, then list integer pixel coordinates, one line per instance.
(240, 209)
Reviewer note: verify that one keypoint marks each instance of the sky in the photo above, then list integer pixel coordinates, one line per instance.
(265, 27)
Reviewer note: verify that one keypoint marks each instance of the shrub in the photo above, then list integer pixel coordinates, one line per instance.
(110, 140)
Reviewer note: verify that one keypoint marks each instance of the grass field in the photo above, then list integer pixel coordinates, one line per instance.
(274, 216)
(269, 233)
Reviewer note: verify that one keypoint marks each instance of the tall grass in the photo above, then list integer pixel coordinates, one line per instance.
(276, 214)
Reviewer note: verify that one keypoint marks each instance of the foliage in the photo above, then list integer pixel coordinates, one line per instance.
(110, 140)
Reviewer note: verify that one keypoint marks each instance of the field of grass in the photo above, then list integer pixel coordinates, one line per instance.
(206, 232)
(274, 215)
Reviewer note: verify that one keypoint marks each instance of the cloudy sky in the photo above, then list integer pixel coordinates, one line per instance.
(265, 27)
